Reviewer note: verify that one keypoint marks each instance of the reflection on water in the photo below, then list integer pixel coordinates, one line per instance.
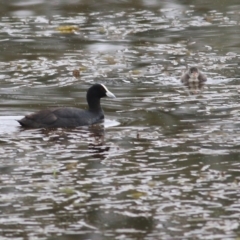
(165, 165)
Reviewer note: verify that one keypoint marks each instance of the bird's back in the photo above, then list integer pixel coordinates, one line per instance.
(61, 117)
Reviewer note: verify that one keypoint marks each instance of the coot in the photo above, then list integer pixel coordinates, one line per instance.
(193, 79)
(193, 75)
(68, 117)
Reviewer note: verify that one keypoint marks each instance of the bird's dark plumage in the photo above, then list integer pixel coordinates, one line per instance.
(193, 79)
(66, 117)
(193, 75)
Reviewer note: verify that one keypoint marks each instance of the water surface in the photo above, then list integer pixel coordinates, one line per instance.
(165, 163)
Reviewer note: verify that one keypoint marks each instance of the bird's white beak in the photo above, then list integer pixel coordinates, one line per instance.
(108, 93)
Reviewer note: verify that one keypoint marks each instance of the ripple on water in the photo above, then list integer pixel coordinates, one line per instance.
(165, 163)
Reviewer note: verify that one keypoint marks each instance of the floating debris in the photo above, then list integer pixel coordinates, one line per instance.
(76, 73)
(67, 29)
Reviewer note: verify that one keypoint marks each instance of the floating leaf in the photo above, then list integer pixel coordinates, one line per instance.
(137, 194)
(110, 60)
(82, 68)
(67, 29)
(102, 30)
(71, 166)
(68, 191)
(135, 72)
(76, 73)
(55, 174)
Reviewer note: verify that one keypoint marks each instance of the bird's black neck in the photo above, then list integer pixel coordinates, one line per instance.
(94, 104)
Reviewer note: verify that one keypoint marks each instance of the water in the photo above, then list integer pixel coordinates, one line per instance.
(165, 164)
